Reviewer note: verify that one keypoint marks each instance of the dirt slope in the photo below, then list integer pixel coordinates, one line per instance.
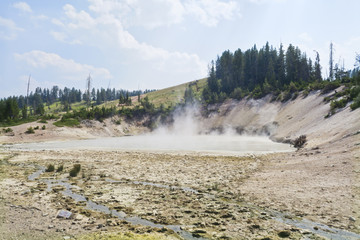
(281, 121)
(304, 115)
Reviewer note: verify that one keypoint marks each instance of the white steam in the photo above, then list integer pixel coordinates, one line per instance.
(186, 123)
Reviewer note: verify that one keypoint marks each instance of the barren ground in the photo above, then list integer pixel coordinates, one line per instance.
(216, 197)
(235, 195)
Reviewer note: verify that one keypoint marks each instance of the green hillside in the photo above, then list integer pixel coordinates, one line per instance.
(174, 95)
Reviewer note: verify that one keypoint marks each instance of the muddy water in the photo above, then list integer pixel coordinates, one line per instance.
(217, 144)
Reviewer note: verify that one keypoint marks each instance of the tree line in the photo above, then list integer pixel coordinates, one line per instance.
(21, 107)
(265, 70)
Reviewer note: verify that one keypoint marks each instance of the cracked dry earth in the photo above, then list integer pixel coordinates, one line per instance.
(214, 197)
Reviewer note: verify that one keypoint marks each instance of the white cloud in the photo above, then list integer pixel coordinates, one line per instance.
(8, 29)
(267, 1)
(57, 22)
(62, 37)
(80, 19)
(67, 68)
(40, 17)
(106, 31)
(158, 13)
(149, 14)
(210, 12)
(305, 37)
(22, 6)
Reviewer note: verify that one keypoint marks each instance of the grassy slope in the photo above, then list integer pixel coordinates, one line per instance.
(167, 96)
(173, 95)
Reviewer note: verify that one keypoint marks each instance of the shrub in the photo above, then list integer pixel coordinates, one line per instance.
(75, 170)
(50, 168)
(295, 95)
(42, 121)
(286, 96)
(338, 104)
(354, 92)
(329, 87)
(8, 130)
(43, 127)
(68, 122)
(60, 168)
(36, 128)
(300, 141)
(30, 130)
(257, 92)
(237, 93)
(356, 103)
(305, 93)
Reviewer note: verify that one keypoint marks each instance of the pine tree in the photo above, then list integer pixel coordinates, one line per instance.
(317, 68)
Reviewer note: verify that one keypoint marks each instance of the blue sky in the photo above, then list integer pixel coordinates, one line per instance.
(150, 44)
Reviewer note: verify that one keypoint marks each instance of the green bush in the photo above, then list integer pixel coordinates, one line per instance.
(338, 104)
(36, 128)
(42, 121)
(305, 93)
(329, 86)
(300, 141)
(286, 96)
(30, 130)
(7, 130)
(50, 168)
(43, 127)
(356, 103)
(68, 122)
(257, 92)
(295, 95)
(60, 168)
(237, 94)
(75, 170)
(355, 92)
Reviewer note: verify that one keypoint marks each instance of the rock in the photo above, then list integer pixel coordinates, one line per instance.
(57, 188)
(25, 192)
(64, 214)
(100, 226)
(352, 219)
(66, 237)
(227, 215)
(200, 231)
(305, 232)
(284, 234)
(316, 228)
(50, 226)
(196, 235)
(224, 237)
(255, 226)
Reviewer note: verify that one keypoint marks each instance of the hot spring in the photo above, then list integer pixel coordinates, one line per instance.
(215, 144)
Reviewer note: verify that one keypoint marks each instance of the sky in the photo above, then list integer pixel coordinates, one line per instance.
(154, 44)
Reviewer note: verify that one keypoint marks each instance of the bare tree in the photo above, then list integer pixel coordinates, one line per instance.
(88, 87)
(357, 63)
(331, 62)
